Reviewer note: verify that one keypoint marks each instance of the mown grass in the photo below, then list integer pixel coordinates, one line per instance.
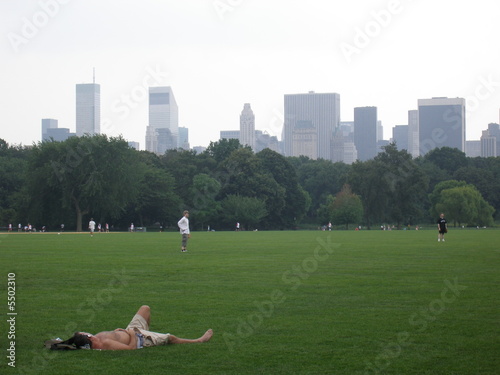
(305, 302)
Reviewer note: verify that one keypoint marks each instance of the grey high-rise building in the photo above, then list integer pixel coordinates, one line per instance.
(52, 132)
(413, 145)
(230, 134)
(134, 145)
(490, 141)
(165, 140)
(151, 144)
(473, 149)
(48, 123)
(343, 149)
(163, 114)
(441, 123)
(305, 140)
(88, 109)
(322, 111)
(264, 140)
(380, 131)
(400, 137)
(199, 149)
(488, 145)
(365, 132)
(247, 127)
(347, 128)
(183, 140)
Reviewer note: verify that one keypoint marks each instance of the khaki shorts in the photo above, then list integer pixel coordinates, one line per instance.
(185, 240)
(139, 324)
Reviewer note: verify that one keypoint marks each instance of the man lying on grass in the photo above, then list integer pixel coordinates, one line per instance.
(135, 336)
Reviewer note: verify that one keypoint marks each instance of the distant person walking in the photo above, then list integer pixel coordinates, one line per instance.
(442, 227)
(132, 227)
(184, 229)
(238, 226)
(91, 227)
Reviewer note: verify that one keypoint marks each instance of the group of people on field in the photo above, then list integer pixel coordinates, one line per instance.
(137, 334)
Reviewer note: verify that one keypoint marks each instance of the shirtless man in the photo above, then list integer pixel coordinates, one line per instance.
(135, 336)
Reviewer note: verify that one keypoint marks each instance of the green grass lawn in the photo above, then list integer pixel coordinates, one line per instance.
(368, 302)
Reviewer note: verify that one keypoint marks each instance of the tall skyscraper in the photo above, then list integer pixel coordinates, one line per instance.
(441, 123)
(247, 127)
(400, 136)
(88, 109)
(164, 115)
(413, 145)
(365, 132)
(322, 111)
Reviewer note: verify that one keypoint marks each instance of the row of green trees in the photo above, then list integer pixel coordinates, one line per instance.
(68, 182)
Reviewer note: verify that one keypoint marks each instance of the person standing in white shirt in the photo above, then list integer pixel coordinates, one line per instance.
(184, 228)
(91, 227)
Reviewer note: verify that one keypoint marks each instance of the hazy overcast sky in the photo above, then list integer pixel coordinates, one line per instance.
(219, 54)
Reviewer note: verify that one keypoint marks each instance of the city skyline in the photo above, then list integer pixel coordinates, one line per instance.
(371, 53)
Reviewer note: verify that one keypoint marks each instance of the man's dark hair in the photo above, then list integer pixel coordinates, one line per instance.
(82, 341)
(78, 341)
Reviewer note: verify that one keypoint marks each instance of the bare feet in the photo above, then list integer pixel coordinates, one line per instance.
(207, 336)
(176, 340)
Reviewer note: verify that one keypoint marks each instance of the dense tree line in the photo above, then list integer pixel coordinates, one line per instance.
(51, 183)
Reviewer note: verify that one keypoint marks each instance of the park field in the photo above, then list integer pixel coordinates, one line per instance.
(304, 302)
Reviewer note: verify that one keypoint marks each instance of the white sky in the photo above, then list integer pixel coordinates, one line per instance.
(219, 54)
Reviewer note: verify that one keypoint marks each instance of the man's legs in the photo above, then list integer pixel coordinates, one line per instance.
(184, 242)
(176, 340)
(145, 312)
